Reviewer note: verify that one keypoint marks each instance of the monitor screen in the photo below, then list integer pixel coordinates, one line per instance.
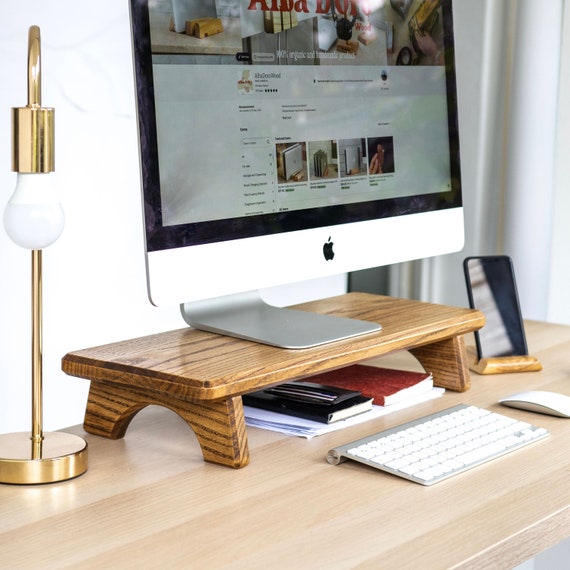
(285, 140)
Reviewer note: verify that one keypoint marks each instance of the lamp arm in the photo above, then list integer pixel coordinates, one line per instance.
(34, 68)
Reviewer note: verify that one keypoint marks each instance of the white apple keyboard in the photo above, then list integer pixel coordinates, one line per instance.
(438, 446)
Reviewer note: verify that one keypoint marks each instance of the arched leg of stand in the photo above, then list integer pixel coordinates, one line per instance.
(110, 410)
(447, 361)
(219, 425)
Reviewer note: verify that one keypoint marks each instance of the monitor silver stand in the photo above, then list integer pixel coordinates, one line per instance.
(247, 316)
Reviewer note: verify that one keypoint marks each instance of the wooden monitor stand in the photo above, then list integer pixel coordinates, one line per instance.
(201, 376)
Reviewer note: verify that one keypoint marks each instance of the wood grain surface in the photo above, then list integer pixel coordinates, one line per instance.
(148, 500)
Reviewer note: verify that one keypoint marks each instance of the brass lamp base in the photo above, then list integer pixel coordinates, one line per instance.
(58, 457)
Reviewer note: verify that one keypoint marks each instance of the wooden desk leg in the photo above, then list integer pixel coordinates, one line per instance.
(447, 361)
(219, 425)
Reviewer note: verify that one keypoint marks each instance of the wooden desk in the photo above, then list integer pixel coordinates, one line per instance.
(149, 500)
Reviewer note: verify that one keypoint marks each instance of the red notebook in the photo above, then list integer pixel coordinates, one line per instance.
(387, 386)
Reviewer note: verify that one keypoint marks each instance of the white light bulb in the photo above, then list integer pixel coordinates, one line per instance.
(33, 217)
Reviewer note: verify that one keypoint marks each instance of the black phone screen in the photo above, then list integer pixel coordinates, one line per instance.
(491, 288)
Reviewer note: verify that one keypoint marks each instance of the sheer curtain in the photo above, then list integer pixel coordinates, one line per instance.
(558, 305)
(530, 185)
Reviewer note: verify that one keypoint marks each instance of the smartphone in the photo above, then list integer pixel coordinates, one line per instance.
(492, 289)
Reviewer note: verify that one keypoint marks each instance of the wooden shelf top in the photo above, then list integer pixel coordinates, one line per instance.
(208, 366)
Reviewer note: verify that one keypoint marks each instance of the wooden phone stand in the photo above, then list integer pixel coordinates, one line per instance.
(201, 376)
(503, 364)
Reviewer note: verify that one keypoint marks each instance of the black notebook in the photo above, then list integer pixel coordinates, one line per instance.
(311, 401)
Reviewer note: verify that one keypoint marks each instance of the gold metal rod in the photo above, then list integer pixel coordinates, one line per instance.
(34, 68)
(37, 406)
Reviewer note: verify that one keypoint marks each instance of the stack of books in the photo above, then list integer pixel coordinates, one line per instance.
(386, 386)
(333, 398)
(310, 400)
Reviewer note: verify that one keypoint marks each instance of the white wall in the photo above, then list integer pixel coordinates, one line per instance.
(94, 276)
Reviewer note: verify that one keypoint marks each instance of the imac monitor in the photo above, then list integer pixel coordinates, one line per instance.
(219, 101)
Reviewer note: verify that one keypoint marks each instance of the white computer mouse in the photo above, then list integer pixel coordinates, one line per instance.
(540, 401)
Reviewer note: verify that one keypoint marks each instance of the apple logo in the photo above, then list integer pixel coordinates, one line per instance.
(328, 250)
